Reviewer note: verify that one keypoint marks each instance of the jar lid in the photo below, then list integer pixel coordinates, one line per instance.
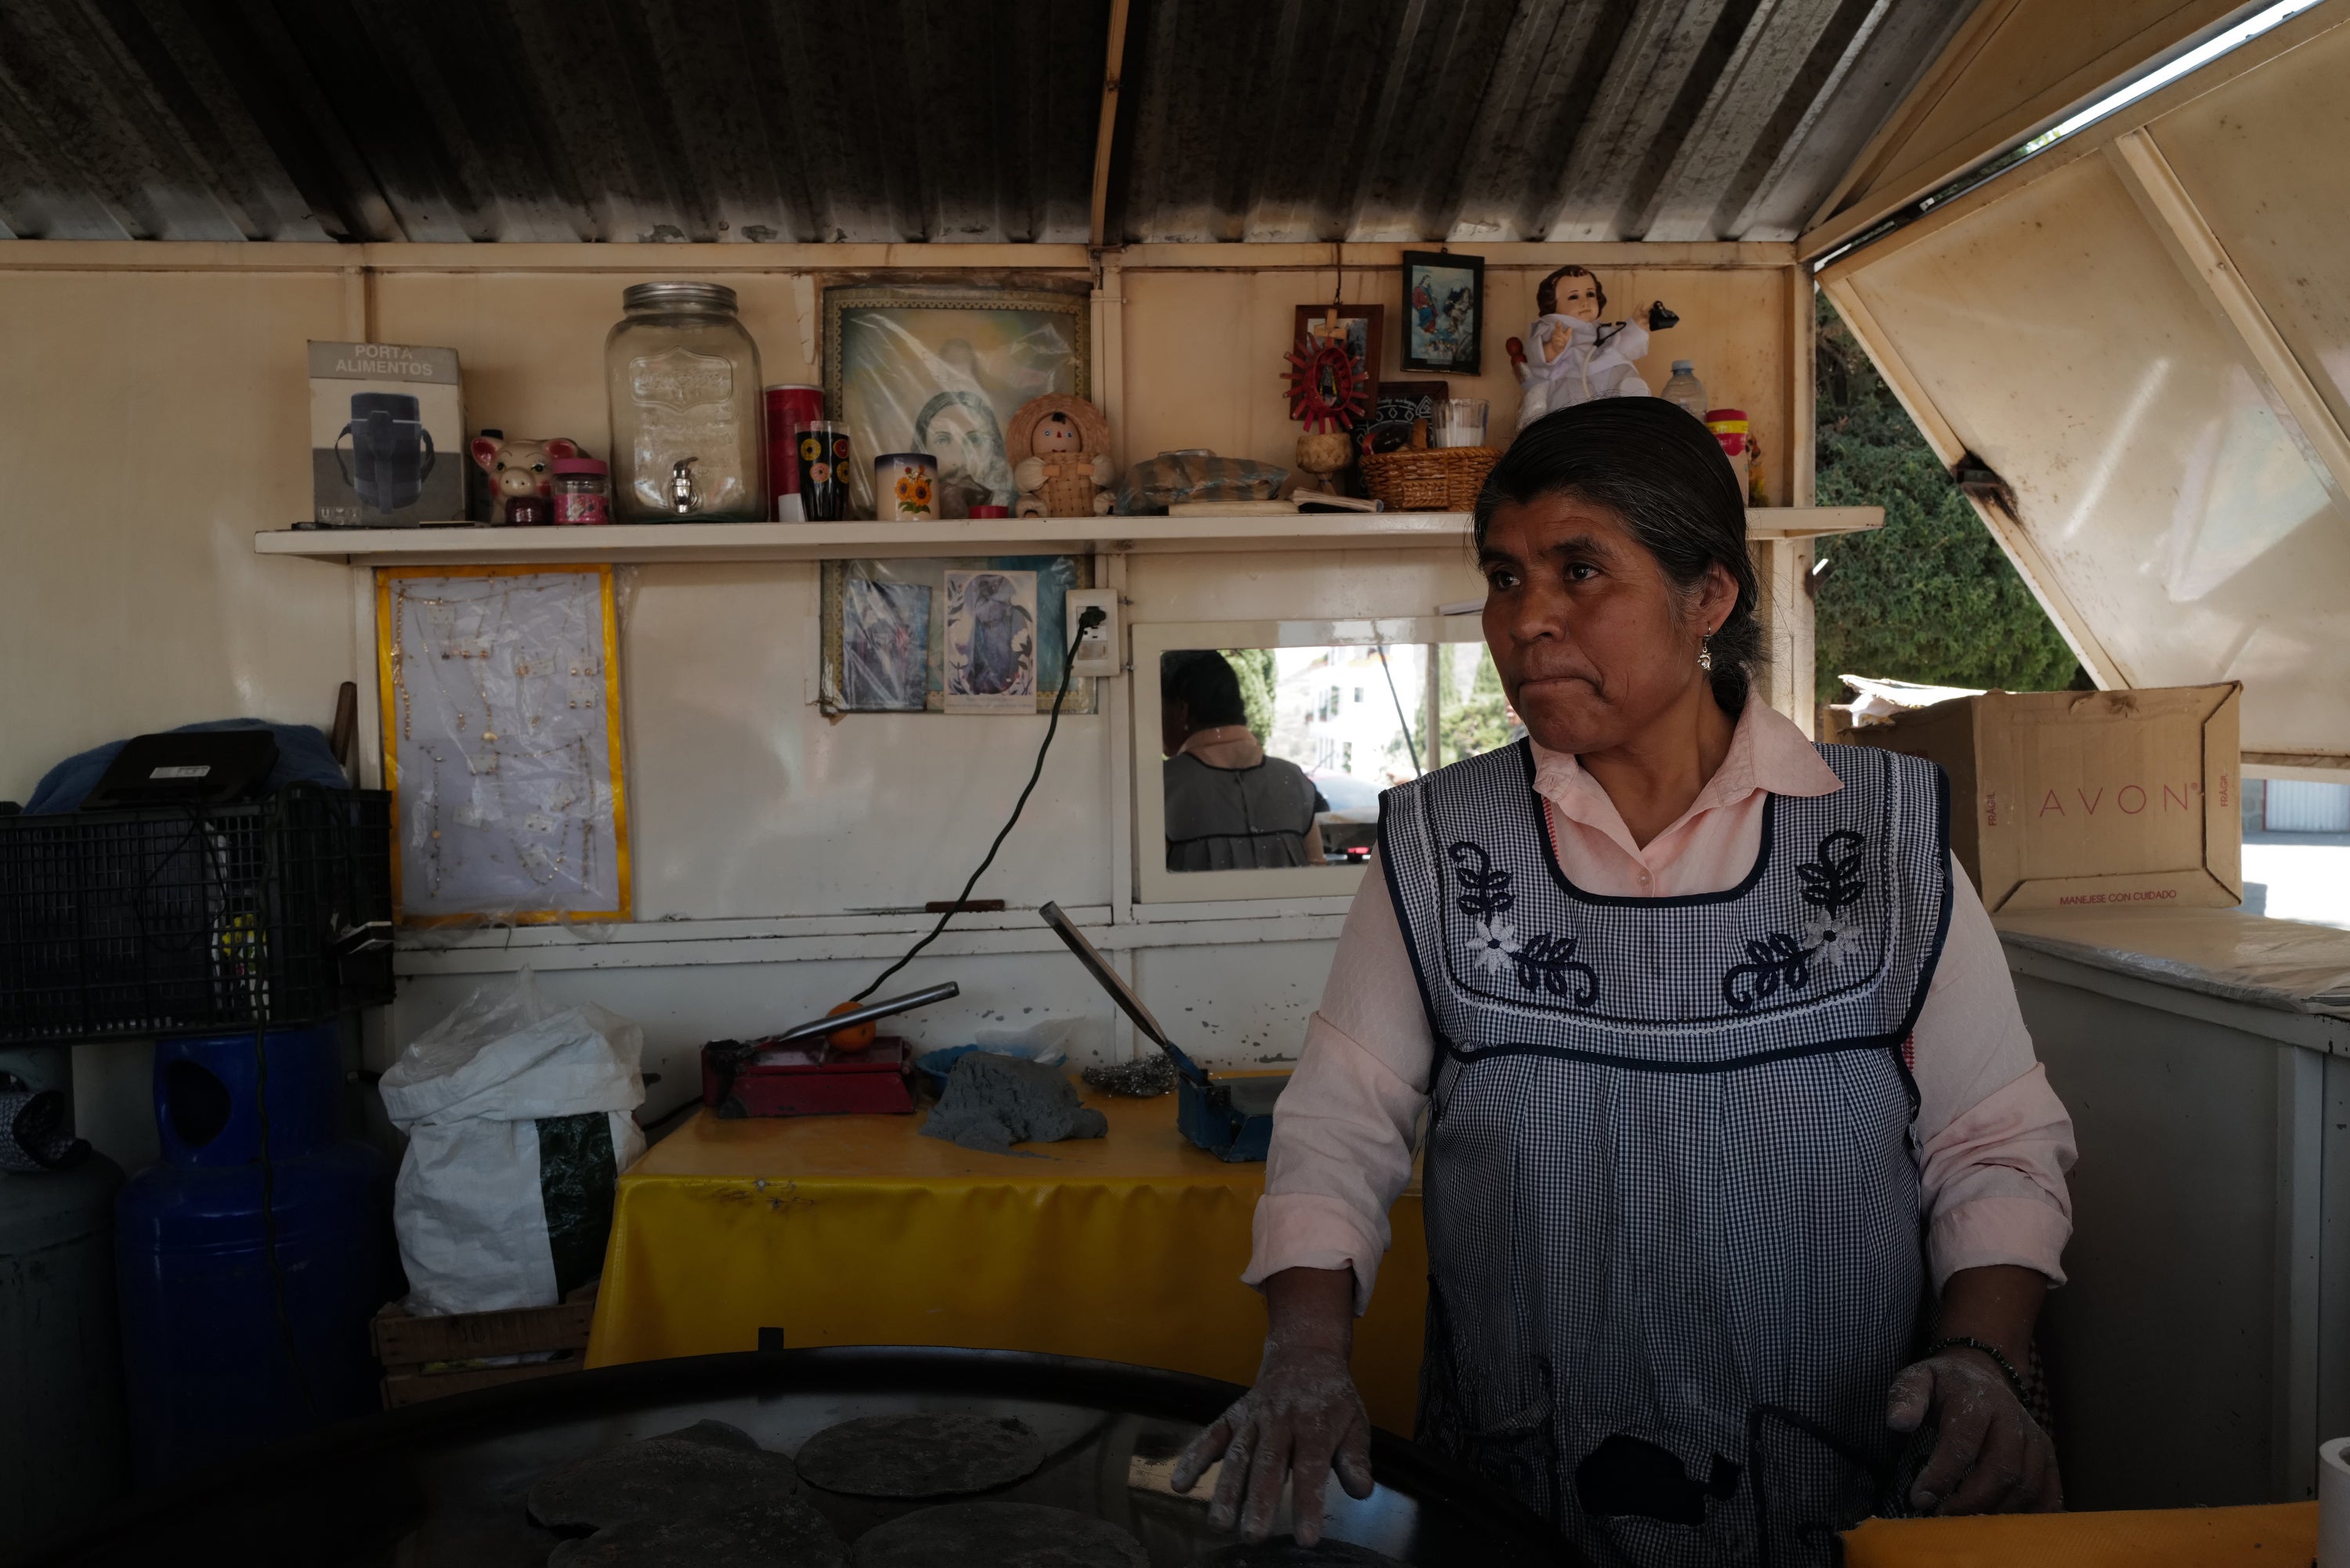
(579, 466)
(678, 297)
(991, 511)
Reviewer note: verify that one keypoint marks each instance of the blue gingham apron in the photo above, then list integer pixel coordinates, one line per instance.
(1671, 1189)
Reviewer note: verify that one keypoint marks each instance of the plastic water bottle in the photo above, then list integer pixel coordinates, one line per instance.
(1686, 389)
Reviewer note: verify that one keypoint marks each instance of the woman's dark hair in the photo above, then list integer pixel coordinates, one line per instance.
(1204, 682)
(1662, 471)
(1546, 291)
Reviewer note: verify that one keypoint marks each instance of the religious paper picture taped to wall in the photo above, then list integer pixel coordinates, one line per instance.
(919, 636)
(502, 743)
(990, 642)
(942, 370)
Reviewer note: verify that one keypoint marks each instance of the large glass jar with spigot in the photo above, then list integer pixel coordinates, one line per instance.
(683, 379)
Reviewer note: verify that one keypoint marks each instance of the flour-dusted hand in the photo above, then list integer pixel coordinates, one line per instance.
(1989, 1455)
(1302, 1420)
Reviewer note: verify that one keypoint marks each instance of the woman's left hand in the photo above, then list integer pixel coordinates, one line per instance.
(1989, 1455)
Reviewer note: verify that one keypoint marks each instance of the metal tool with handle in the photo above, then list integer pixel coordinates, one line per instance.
(833, 1023)
(1110, 981)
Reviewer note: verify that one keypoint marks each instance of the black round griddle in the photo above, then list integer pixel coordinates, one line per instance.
(443, 1482)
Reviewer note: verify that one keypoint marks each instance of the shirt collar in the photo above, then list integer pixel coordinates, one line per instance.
(1223, 746)
(1767, 752)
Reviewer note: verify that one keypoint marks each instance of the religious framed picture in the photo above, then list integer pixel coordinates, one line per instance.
(1443, 312)
(942, 369)
(928, 636)
(1357, 326)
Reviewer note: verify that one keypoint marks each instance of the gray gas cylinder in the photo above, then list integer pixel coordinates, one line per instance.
(62, 1448)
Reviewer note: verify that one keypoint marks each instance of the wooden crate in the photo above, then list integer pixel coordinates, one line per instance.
(430, 1357)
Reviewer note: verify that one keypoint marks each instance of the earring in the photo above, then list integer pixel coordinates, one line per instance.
(1705, 652)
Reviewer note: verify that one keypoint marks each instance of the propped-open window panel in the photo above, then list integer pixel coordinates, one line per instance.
(2011, 69)
(2141, 333)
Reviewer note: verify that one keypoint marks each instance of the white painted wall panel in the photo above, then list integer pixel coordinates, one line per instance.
(148, 424)
(746, 801)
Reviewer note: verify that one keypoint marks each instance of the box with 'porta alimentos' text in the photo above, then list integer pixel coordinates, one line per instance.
(2087, 799)
(387, 435)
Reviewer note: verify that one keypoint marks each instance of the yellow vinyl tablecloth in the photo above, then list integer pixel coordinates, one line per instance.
(855, 1231)
(2274, 1535)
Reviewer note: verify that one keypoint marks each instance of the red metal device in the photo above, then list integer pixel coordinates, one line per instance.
(813, 1081)
(798, 1074)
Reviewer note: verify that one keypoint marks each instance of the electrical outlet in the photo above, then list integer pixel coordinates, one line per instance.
(1099, 653)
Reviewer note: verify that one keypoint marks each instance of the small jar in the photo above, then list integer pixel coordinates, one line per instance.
(581, 492)
(682, 378)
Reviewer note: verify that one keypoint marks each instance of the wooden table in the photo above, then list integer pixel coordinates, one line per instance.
(855, 1231)
(2276, 1535)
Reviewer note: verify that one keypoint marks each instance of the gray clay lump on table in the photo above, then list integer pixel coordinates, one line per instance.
(999, 1535)
(921, 1455)
(992, 1101)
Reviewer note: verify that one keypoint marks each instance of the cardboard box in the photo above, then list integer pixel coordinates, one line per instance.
(2087, 799)
(387, 435)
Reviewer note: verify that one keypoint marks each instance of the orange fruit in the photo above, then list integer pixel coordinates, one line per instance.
(855, 1038)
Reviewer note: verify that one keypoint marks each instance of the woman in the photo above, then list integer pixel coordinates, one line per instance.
(1741, 1186)
(1228, 807)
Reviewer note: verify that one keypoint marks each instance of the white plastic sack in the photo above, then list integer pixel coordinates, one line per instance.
(518, 1123)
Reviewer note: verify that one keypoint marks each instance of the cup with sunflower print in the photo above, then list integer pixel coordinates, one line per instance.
(824, 470)
(906, 487)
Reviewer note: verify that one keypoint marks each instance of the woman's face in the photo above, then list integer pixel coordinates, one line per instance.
(1594, 643)
(964, 447)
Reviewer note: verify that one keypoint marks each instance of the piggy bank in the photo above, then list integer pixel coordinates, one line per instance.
(519, 469)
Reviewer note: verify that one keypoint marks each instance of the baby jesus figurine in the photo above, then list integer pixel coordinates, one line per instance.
(1064, 467)
(1571, 357)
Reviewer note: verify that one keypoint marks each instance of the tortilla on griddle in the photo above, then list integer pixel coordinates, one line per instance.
(781, 1535)
(703, 1471)
(1000, 1535)
(1283, 1552)
(921, 1455)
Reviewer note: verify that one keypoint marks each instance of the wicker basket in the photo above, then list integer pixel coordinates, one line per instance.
(1438, 479)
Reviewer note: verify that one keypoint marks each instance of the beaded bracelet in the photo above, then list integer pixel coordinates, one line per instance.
(2006, 1368)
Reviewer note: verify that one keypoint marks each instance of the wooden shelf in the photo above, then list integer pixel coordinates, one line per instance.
(463, 544)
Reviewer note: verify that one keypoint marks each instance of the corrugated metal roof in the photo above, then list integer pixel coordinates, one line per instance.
(939, 120)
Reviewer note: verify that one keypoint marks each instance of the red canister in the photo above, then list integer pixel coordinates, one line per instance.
(788, 408)
(1732, 429)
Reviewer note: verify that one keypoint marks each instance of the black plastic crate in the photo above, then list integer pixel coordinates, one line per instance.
(138, 922)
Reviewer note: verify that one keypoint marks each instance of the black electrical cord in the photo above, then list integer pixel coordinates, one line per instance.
(1092, 617)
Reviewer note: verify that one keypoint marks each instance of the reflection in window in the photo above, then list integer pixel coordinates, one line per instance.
(1276, 756)
(1472, 715)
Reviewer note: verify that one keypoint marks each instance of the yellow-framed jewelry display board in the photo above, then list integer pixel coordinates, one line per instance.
(502, 743)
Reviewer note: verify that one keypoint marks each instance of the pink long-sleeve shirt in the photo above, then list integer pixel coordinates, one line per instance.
(1992, 1139)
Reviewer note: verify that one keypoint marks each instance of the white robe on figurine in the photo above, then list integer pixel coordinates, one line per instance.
(1586, 367)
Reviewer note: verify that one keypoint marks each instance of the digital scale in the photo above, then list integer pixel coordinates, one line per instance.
(1231, 1118)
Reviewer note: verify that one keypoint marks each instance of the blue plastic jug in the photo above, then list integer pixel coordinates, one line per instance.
(247, 1284)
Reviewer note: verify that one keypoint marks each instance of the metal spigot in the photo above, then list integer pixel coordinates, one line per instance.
(684, 496)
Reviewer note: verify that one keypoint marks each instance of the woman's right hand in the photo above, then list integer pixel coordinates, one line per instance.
(1302, 1420)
